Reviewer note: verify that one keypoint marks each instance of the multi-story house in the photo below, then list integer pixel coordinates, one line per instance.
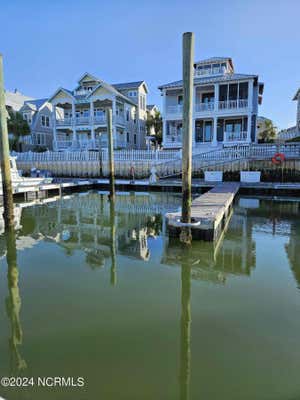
(225, 106)
(294, 131)
(79, 119)
(38, 114)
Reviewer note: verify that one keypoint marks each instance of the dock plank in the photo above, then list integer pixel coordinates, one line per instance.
(209, 212)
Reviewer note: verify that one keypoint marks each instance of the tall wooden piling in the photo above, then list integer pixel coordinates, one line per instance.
(187, 125)
(8, 214)
(111, 153)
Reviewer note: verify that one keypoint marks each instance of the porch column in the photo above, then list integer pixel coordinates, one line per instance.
(73, 125)
(215, 126)
(194, 117)
(164, 118)
(54, 127)
(92, 123)
(250, 108)
(216, 105)
(249, 116)
(114, 120)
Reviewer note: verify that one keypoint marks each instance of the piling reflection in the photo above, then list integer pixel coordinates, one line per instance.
(13, 304)
(185, 332)
(113, 268)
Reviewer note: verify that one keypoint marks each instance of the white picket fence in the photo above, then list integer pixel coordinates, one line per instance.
(167, 163)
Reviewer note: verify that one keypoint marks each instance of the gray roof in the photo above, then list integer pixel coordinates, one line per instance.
(127, 85)
(36, 103)
(211, 79)
(296, 95)
(150, 106)
(212, 59)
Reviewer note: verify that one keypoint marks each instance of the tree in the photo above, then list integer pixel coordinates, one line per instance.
(268, 132)
(17, 128)
(154, 123)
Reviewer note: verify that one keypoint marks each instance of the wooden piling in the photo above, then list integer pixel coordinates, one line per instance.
(187, 125)
(110, 153)
(8, 204)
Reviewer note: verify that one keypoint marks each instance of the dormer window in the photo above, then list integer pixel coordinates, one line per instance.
(211, 69)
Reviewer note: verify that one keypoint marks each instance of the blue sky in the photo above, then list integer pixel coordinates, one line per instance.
(50, 44)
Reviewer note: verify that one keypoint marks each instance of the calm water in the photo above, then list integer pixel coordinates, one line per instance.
(97, 291)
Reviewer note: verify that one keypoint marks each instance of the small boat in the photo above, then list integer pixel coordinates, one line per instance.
(21, 181)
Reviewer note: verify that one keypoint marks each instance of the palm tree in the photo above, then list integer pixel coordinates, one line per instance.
(154, 124)
(17, 127)
(269, 132)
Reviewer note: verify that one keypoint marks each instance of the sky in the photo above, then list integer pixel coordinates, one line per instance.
(48, 44)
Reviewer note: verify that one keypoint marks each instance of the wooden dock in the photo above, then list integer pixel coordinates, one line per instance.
(210, 213)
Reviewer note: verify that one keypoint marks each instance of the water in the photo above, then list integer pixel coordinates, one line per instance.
(97, 291)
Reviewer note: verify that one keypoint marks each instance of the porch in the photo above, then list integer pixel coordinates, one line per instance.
(210, 131)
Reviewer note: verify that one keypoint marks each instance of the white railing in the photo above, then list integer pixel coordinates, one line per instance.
(83, 120)
(64, 121)
(233, 104)
(235, 136)
(200, 107)
(230, 154)
(174, 109)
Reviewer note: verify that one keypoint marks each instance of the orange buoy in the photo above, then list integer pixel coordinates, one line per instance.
(278, 158)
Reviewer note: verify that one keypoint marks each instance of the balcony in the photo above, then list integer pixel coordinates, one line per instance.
(96, 120)
(232, 137)
(233, 104)
(204, 107)
(64, 121)
(174, 109)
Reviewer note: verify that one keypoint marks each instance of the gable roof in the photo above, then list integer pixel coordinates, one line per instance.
(111, 89)
(130, 85)
(87, 74)
(212, 79)
(63, 90)
(36, 104)
(297, 95)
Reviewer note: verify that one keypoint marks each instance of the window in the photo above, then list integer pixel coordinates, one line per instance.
(142, 102)
(208, 98)
(180, 100)
(127, 137)
(223, 92)
(243, 90)
(132, 93)
(28, 118)
(134, 138)
(98, 112)
(233, 91)
(127, 115)
(45, 121)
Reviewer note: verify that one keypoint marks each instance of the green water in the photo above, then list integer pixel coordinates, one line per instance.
(94, 290)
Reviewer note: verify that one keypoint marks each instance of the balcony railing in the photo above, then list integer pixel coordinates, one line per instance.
(174, 109)
(235, 136)
(96, 120)
(200, 107)
(206, 107)
(233, 104)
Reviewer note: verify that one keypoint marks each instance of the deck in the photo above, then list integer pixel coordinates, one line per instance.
(209, 212)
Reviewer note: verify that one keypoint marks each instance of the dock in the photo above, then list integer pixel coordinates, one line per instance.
(209, 212)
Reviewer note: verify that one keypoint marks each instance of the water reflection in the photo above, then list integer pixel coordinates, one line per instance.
(185, 332)
(13, 304)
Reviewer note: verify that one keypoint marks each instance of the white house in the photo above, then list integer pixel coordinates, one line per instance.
(293, 131)
(79, 120)
(225, 106)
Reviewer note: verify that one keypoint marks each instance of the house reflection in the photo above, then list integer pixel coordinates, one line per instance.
(89, 223)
